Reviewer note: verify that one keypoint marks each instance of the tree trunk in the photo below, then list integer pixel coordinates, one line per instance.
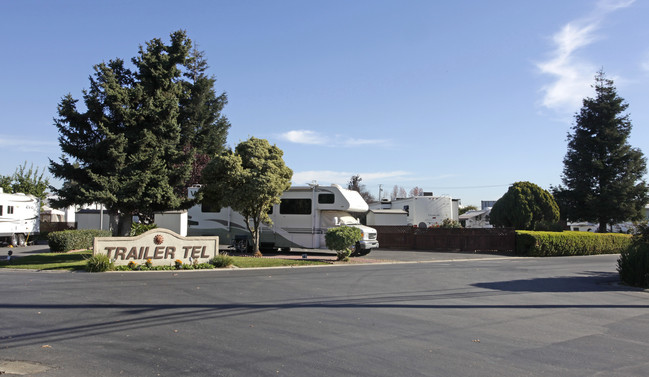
(120, 224)
(254, 235)
(114, 223)
(602, 227)
(125, 222)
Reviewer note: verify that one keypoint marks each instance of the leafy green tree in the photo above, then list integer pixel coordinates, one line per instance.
(30, 181)
(603, 176)
(466, 209)
(132, 150)
(250, 180)
(27, 181)
(450, 223)
(525, 206)
(5, 184)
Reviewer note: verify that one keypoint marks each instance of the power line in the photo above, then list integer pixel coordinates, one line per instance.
(469, 187)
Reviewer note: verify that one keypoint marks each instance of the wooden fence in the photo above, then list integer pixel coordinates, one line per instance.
(47, 226)
(446, 239)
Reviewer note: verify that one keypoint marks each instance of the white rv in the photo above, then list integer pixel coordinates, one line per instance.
(19, 217)
(300, 220)
(423, 211)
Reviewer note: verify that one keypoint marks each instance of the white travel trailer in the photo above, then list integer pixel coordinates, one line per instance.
(424, 211)
(300, 220)
(19, 218)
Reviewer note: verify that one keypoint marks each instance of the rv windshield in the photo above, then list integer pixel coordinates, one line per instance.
(330, 219)
(348, 220)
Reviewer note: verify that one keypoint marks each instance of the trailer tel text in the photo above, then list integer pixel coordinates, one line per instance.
(159, 252)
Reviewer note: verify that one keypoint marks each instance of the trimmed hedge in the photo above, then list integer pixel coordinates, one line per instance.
(64, 241)
(553, 244)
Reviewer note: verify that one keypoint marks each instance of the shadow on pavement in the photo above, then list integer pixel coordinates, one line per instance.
(593, 281)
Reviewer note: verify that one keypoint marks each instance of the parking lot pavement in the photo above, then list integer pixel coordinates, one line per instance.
(23, 250)
(426, 256)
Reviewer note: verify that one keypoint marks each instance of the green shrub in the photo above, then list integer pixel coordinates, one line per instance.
(139, 228)
(342, 240)
(64, 241)
(99, 263)
(633, 264)
(222, 261)
(547, 244)
(450, 223)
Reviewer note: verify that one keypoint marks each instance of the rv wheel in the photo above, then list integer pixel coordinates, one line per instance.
(14, 240)
(21, 240)
(241, 245)
(358, 252)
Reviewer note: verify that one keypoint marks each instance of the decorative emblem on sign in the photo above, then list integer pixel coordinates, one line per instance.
(158, 239)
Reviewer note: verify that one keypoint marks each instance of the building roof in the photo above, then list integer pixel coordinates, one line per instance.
(471, 214)
(389, 211)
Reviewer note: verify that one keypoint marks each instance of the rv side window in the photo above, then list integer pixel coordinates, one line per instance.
(295, 207)
(206, 207)
(326, 198)
(10, 210)
(0, 210)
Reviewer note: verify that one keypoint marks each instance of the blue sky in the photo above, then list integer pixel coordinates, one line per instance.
(460, 98)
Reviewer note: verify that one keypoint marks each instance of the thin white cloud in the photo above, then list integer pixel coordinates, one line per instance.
(310, 137)
(613, 5)
(572, 74)
(304, 137)
(645, 63)
(359, 142)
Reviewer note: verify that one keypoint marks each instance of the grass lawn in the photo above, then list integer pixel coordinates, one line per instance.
(77, 262)
(248, 262)
(51, 261)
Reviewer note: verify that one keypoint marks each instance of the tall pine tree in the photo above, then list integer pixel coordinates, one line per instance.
(133, 148)
(603, 175)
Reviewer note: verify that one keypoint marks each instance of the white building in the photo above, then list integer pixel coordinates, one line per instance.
(476, 219)
(423, 211)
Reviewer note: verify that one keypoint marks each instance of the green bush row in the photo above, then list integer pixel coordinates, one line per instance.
(553, 244)
(64, 241)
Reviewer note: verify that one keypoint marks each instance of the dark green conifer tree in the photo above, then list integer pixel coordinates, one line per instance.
(603, 175)
(132, 150)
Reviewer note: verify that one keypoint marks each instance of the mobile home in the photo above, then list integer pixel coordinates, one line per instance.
(423, 211)
(19, 218)
(300, 220)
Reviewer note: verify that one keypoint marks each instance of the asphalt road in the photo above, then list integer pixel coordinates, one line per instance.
(497, 316)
